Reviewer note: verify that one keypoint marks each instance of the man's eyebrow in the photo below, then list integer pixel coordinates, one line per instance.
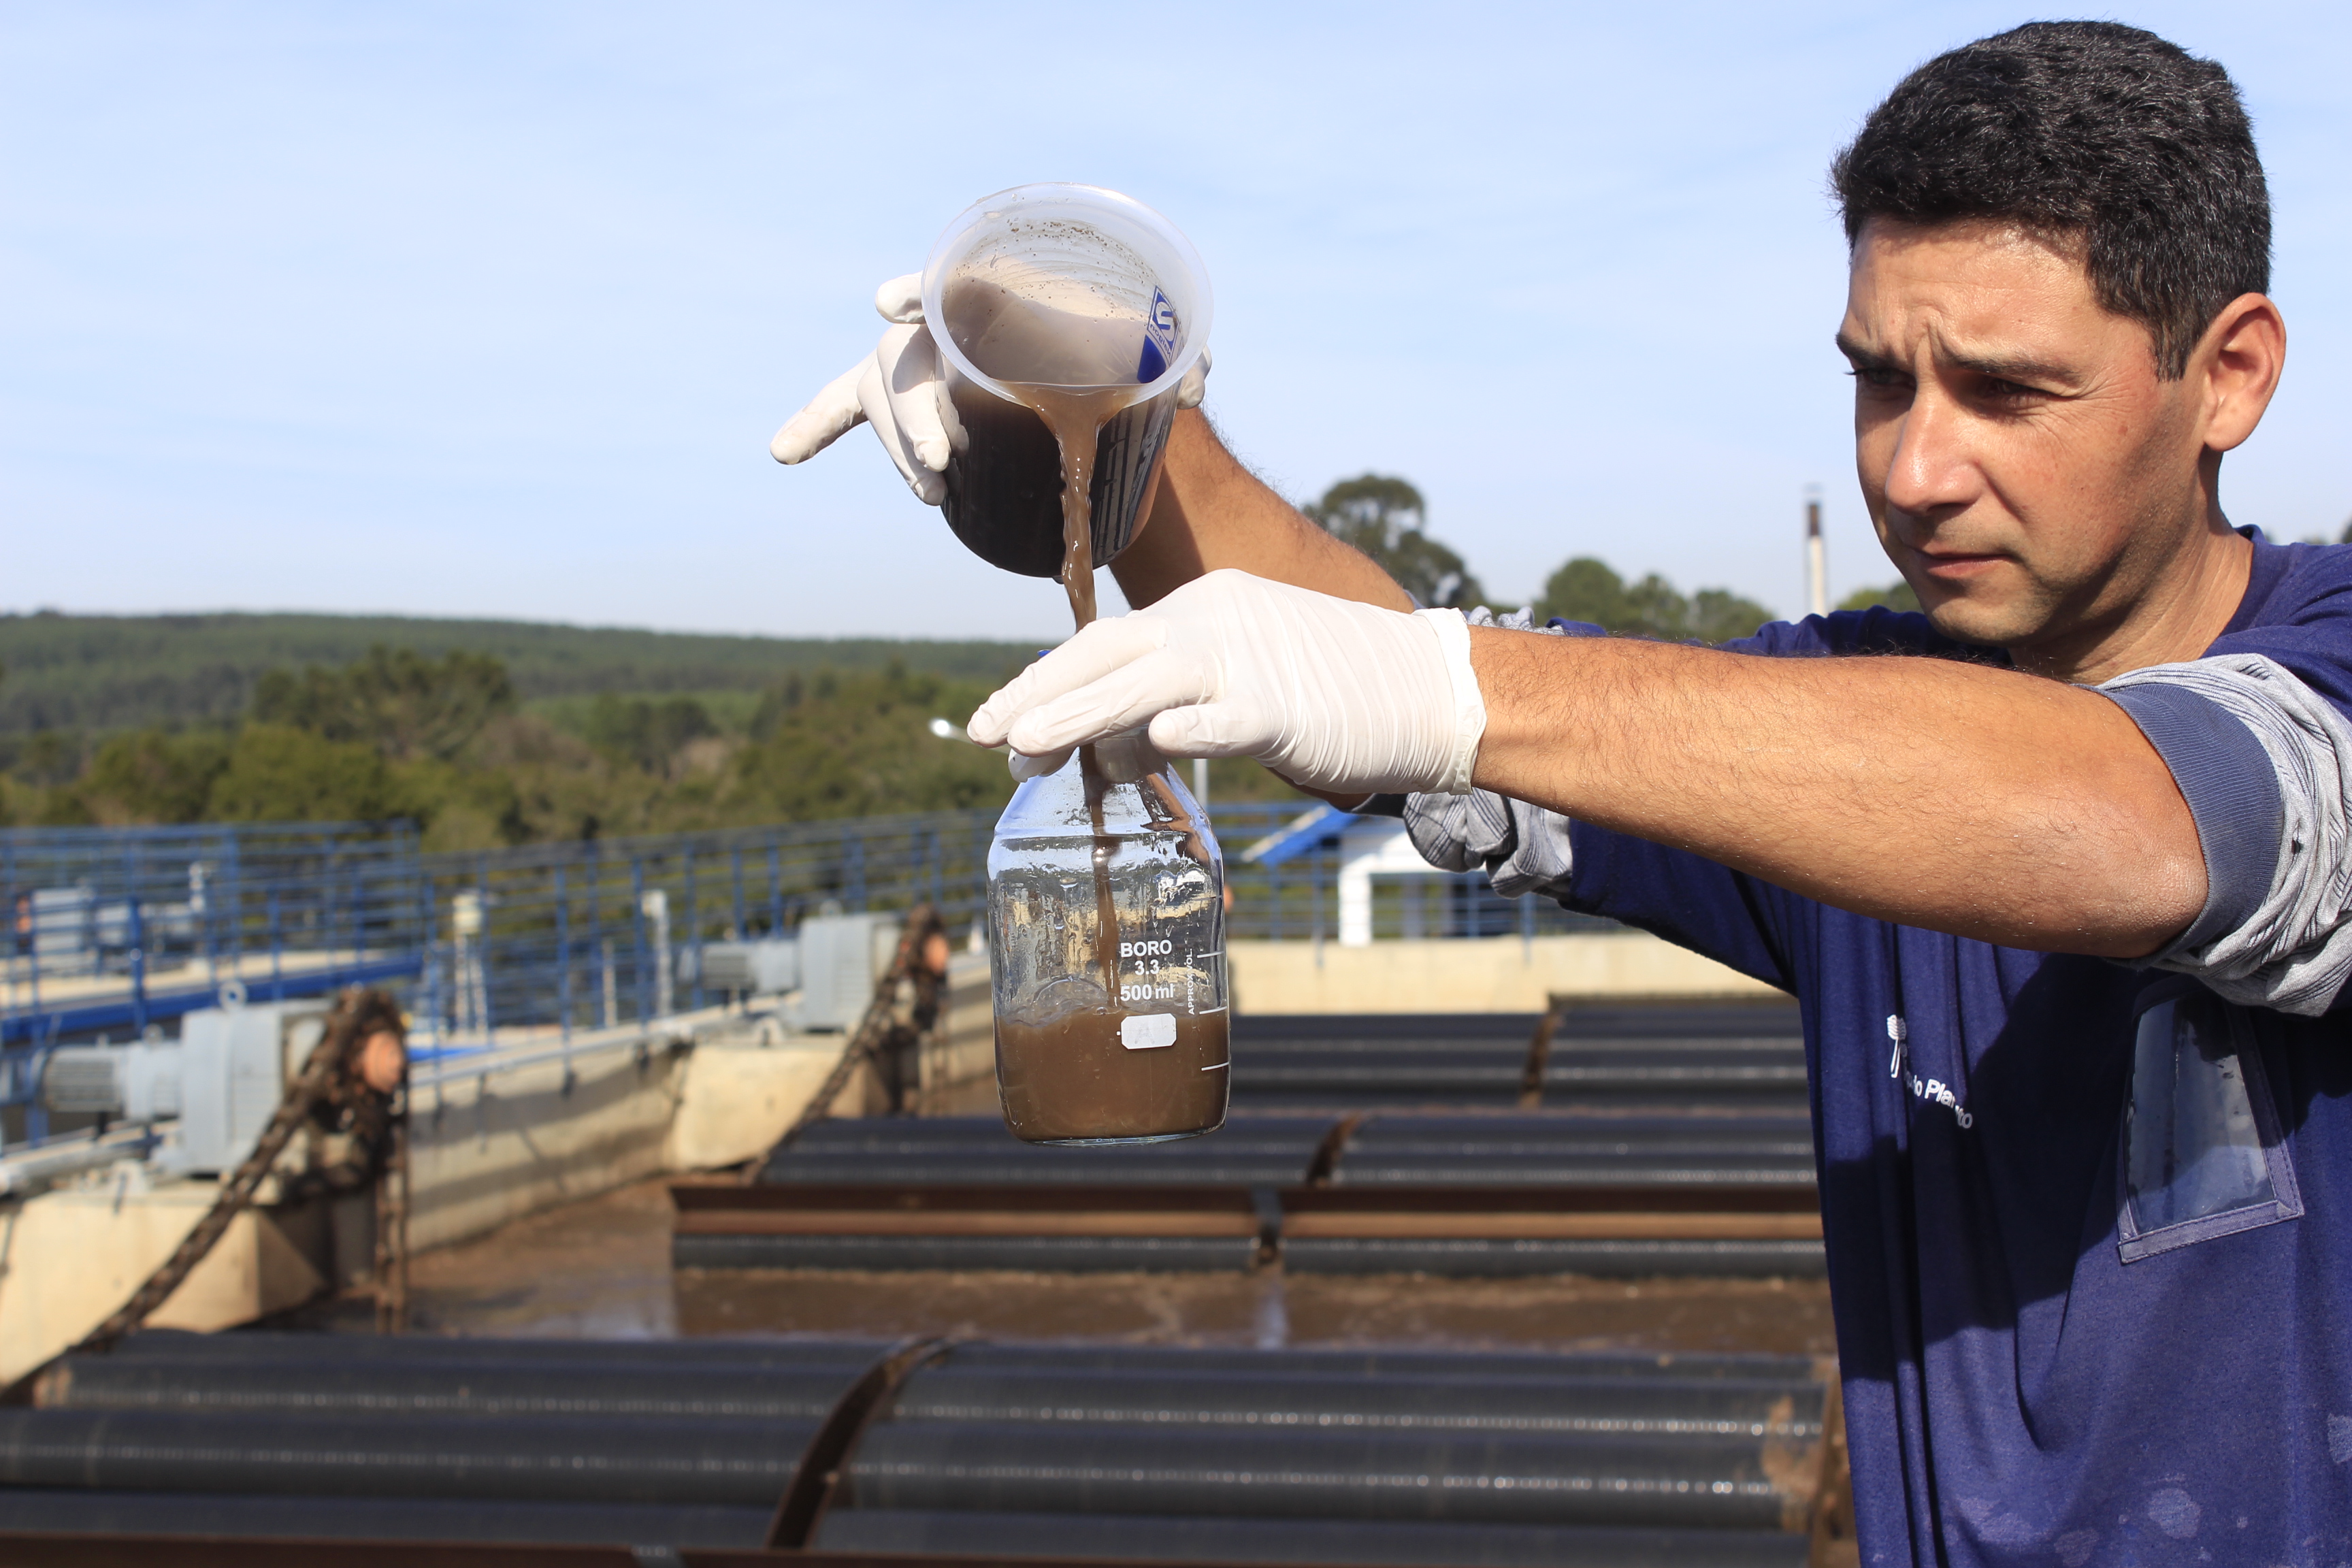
(2022, 369)
(1861, 357)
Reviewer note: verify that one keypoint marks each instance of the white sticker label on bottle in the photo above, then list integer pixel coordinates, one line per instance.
(1147, 1031)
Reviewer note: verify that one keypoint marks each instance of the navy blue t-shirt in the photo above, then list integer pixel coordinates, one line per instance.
(1998, 1130)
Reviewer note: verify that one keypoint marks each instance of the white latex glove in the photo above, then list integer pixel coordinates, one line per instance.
(1330, 693)
(900, 391)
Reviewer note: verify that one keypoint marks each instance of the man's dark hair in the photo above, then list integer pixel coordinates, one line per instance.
(2089, 133)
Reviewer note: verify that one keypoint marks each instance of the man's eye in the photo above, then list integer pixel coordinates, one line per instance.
(1880, 379)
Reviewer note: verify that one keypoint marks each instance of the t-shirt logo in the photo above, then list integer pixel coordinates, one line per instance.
(1933, 1090)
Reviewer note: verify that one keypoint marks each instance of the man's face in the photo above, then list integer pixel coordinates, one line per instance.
(2024, 466)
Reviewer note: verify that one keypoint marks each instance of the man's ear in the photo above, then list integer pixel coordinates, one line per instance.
(2239, 360)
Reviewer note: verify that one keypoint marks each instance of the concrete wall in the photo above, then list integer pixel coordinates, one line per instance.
(739, 1095)
(1487, 974)
(485, 1151)
(68, 1259)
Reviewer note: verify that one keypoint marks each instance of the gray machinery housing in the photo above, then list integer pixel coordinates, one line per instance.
(841, 957)
(223, 1079)
(765, 968)
(833, 960)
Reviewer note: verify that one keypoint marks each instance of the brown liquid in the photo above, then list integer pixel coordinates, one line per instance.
(1077, 418)
(1075, 1079)
(1072, 365)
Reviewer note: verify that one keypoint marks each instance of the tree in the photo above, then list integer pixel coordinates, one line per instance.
(856, 744)
(406, 706)
(277, 773)
(1589, 590)
(1897, 596)
(647, 734)
(153, 776)
(1386, 518)
(1718, 615)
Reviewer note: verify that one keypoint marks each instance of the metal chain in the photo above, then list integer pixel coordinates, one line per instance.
(879, 1025)
(318, 1080)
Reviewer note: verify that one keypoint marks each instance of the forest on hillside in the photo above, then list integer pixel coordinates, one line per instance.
(495, 732)
(97, 673)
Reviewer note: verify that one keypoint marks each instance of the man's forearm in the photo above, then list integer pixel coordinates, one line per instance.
(1212, 512)
(1963, 799)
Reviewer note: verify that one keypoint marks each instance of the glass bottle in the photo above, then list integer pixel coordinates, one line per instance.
(1107, 951)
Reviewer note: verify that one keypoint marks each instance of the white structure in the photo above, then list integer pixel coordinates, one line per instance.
(1370, 846)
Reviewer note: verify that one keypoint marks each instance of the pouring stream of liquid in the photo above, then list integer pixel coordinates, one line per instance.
(1076, 419)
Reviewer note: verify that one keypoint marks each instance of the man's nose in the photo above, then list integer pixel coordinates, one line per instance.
(1933, 468)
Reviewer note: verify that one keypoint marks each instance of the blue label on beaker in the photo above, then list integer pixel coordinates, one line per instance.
(1158, 340)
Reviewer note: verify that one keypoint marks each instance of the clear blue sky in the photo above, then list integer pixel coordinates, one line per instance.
(491, 309)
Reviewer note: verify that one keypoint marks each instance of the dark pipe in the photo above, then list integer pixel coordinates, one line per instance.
(736, 1463)
(1698, 1409)
(1572, 1129)
(1495, 1258)
(853, 1356)
(429, 1388)
(1798, 1371)
(911, 1135)
(1401, 1541)
(378, 1519)
(1042, 1254)
(990, 1169)
(1509, 1171)
(1615, 1480)
(408, 1349)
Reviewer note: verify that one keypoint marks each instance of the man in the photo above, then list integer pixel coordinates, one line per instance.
(2063, 894)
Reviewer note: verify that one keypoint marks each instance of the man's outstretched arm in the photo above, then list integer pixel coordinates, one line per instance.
(1959, 798)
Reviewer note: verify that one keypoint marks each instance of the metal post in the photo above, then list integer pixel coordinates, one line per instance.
(693, 924)
(564, 964)
(138, 939)
(637, 904)
(1526, 928)
(735, 858)
(1817, 558)
(853, 872)
(775, 889)
(277, 952)
(36, 1117)
(426, 922)
(236, 907)
(482, 951)
(1315, 859)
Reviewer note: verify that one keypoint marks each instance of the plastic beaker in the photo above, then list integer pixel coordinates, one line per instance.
(1072, 288)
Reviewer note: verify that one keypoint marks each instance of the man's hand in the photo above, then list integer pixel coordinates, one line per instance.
(1332, 694)
(899, 390)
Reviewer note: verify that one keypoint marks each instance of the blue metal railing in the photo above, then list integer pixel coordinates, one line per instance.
(120, 931)
(572, 936)
(114, 933)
